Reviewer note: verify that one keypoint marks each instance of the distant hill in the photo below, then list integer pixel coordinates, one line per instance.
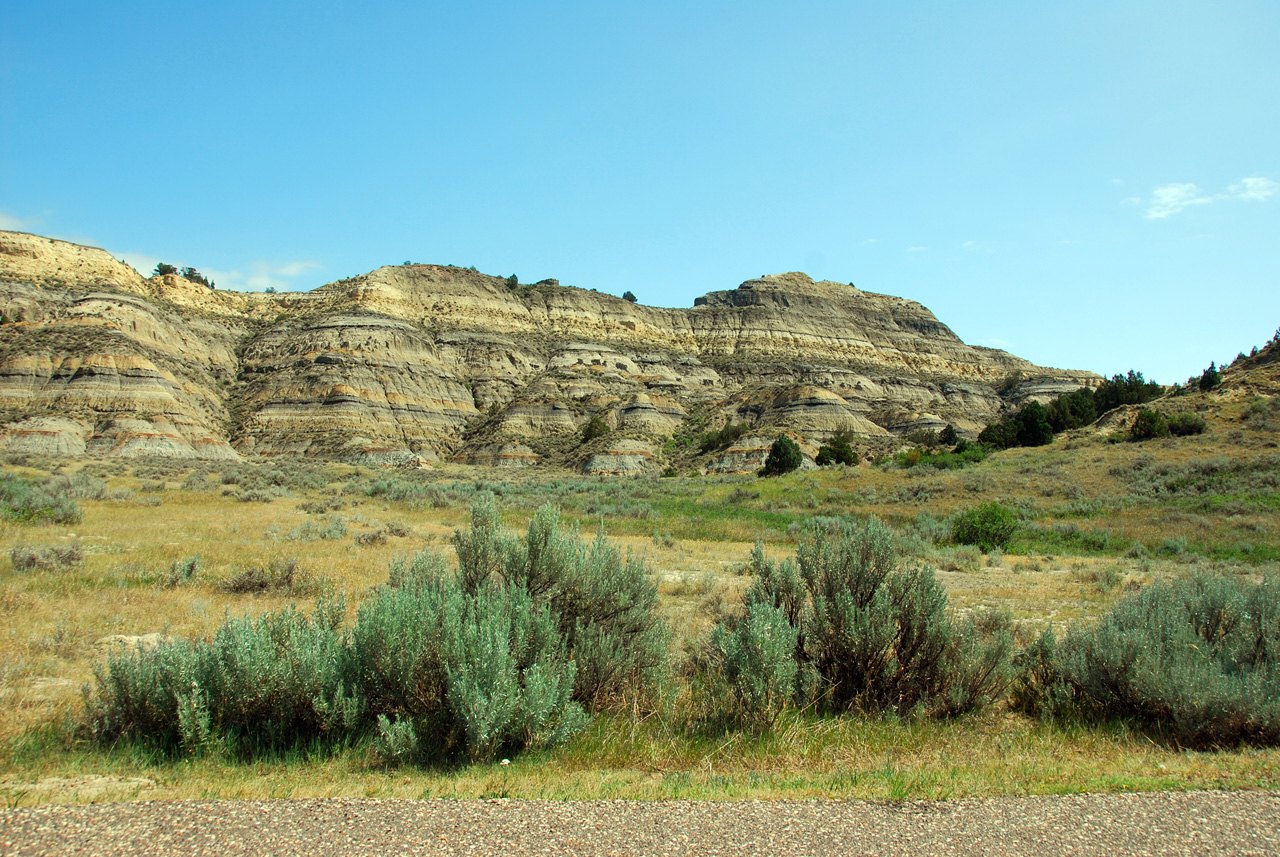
(416, 363)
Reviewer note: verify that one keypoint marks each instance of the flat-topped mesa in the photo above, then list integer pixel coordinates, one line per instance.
(789, 316)
(786, 317)
(413, 363)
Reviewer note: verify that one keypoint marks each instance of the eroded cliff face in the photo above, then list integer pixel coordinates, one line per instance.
(416, 363)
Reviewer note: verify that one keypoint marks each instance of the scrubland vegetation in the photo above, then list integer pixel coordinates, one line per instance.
(1088, 614)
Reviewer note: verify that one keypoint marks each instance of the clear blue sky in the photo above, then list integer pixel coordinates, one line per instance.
(1089, 185)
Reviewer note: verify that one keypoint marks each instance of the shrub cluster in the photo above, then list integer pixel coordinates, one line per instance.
(838, 450)
(595, 427)
(1028, 427)
(989, 527)
(713, 441)
(962, 455)
(52, 500)
(27, 557)
(1151, 423)
(507, 654)
(1035, 424)
(845, 627)
(1195, 661)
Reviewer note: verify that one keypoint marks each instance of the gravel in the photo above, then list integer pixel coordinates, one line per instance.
(1200, 823)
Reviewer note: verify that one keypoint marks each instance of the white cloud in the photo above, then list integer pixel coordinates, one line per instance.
(916, 249)
(261, 276)
(143, 263)
(15, 224)
(1169, 199)
(969, 244)
(871, 241)
(1117, 181)
(1254, 188)
(994, 342)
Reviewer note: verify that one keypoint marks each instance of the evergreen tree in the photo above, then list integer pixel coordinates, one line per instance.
(1033, 425)
(1211, 378)
(784, 457)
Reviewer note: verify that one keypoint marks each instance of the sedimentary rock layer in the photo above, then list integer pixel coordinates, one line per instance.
(414, 363)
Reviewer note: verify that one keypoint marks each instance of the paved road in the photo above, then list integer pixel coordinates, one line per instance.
(1199, 823)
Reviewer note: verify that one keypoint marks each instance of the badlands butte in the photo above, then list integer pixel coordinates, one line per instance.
(414, 364)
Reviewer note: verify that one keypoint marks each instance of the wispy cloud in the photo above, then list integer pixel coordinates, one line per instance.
(1259, 189)
(1170, 199)
(262, 276)
(143, 263)
(916, 249)
(969, 244)
(15, 224)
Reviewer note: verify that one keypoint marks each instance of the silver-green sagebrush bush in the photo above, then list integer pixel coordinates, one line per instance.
(866, 634)
(607, 607)
(500, 657)
(1195, 661)
(449, 672)
(261, 683)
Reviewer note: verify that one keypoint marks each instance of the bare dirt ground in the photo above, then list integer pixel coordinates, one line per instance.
(1199, 823)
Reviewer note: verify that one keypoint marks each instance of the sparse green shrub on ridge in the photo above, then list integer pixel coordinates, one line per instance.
(922, 437)
(725, 437)
(1210, 379)
(1149, 424)
(838, 450)
(1184, 424)
(595, 427)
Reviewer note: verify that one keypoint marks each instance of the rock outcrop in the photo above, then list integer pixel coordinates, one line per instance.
(416, 363)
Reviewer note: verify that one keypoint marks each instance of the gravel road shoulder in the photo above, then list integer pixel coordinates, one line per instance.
(1200, 823)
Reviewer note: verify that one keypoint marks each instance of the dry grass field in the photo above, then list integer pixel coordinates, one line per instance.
(170, 549)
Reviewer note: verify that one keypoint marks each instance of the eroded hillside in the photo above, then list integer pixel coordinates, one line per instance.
(421, 362)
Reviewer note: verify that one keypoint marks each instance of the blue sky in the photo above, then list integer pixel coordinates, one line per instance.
(1090, 185)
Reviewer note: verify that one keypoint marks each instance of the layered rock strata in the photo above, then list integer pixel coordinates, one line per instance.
(416, 363)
